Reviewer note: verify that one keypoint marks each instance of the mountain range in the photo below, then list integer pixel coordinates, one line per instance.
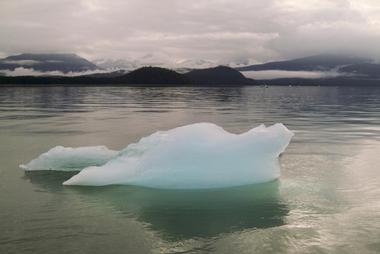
(322, 62)
(342, 70)
(338, 70)
(47, 62)
(129, 65)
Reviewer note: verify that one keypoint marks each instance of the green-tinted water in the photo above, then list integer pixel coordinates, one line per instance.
(327, 200)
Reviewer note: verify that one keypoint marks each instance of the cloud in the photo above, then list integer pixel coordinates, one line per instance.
(21, 71)
(223, 31)
(21, 62)
(275, 74)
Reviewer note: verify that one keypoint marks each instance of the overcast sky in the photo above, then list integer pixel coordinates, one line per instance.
(238, 31)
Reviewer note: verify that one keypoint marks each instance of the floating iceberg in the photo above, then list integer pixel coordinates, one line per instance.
(195, 156)
(62, 158)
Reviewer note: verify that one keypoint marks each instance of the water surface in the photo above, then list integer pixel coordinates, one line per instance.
(327, 200)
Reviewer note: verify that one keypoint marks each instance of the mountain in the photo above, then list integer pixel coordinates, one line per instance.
(194, 64)
(150, 59)
(154, 61)
(117, 64)
(311, 63)
(371, 70)
(153, 75)
(47, 62)
(341, 70)
(220, 75)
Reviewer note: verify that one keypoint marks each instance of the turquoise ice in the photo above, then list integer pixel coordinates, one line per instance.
(195, 156)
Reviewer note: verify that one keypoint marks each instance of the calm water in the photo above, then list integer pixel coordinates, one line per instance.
(327, 200)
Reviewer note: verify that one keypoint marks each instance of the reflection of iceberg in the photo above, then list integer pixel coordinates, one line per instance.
(180, 214)
(185, 214)
(195, 156)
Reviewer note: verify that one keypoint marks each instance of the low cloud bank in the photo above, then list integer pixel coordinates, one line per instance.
(276, 74)
(21, 71)
(21, 62)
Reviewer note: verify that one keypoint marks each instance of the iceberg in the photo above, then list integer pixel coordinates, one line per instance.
(196, 156)
(62, 158)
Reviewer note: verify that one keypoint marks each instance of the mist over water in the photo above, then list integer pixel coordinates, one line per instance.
(327, 199)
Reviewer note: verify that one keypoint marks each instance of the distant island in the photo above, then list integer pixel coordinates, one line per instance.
(320, 70)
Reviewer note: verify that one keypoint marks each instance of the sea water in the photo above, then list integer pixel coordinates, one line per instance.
(327, 199)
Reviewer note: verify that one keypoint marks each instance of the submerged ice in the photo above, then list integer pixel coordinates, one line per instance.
(195, 156)
(71, 159)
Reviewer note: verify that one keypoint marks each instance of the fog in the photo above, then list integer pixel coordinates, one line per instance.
(21, 71)
(275, 74)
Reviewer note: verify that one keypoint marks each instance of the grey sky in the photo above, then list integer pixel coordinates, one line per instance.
(242, 31)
